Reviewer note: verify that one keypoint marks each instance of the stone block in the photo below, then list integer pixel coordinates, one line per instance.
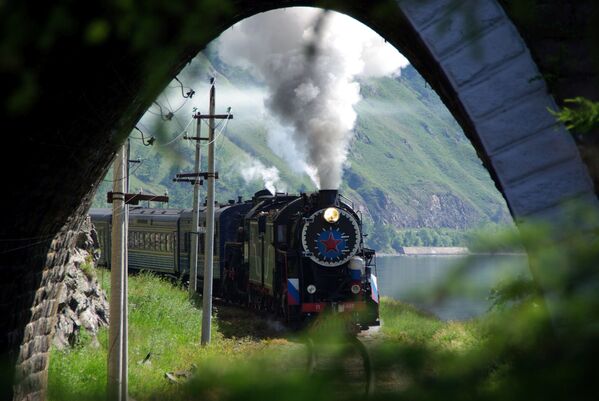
(462, 26)
(37, 312)
(526, 158)
(50, 258)
(28, 332)
(42, 327)
(26, 350)
(548, 188)
(40, 344)
(473, 63)
(39, 362)
(49, 307)
(40, 295)
(503, 88)
(422, 13)
(30, 384)
(563, 214)
(513, 124)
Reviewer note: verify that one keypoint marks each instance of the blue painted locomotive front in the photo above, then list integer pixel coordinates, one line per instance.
(305, 257)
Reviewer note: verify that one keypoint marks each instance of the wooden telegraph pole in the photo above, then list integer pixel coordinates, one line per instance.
(209, 243)
(195, 219)
(118, 382)
(193, 273)
(117, 342)
(195, 178)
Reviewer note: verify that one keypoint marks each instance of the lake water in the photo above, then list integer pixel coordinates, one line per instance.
(452, 287)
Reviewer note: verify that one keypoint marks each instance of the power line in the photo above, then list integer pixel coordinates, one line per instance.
(130, 172)
(176, 137)
(165, 117)
(150, 141)
(223, 128)
(189, 93)
(24, 246)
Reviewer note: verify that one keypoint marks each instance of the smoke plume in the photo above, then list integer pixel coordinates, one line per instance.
(309, 61)
(254, 169)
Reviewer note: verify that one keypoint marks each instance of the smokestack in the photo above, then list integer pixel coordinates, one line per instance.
(328, 197)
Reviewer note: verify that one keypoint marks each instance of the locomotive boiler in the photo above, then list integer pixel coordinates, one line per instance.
(293, 255)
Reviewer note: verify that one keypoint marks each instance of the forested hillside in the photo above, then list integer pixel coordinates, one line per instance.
(411, 170)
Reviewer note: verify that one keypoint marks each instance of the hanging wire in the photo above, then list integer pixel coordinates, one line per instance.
(220, 145)
(223, 128)
(168, 102)
(184, 131)
(165, 117)
(180, 125)
(189, 94)
(150, 141)
(128, 174)
(24, 246)
(171, 108)
(27, 238)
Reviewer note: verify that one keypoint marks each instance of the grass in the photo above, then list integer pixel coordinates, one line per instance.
(88, 267)
(512, 353)
(403, 323)
(165, 324)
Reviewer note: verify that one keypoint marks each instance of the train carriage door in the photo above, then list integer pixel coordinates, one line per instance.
(184, 247)
(254, 256)
(262, 230)
(216, 250)
(172, 246)
(269, 256)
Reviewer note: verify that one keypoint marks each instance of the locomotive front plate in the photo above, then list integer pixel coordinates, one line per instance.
(330, 244)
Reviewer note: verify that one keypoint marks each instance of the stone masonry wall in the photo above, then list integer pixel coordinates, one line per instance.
(31, 367)
(74, 113)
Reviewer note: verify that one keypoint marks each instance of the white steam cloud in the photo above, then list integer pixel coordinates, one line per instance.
(311, 97)
(253, 169)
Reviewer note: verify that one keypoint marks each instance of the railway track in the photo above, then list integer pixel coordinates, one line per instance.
(343, 356)
(347, 362)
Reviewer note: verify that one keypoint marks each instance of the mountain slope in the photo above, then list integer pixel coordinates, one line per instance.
(409, 167)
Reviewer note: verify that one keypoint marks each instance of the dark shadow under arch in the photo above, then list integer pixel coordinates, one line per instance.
(75, 91)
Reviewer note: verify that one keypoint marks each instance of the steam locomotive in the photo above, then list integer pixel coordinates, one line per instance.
(294, 255)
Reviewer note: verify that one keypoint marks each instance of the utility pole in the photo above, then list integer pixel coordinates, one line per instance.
(195, 179)
(125, 285)
(209, 243)
(118, 379)
(195, 220)
(117, 334)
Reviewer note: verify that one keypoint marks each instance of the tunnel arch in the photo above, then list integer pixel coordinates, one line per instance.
(484, 73)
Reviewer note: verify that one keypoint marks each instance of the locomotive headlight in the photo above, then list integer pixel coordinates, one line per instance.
(311, 289)
(355, 289)
(331, 215)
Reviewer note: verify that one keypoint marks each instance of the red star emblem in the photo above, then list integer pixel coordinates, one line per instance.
(331, 243)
